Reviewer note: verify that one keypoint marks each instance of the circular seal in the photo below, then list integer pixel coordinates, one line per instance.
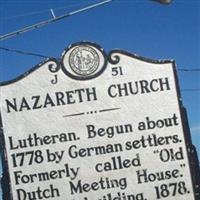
(84, 60)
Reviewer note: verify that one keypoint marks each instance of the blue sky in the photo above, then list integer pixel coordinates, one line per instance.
(142, 27)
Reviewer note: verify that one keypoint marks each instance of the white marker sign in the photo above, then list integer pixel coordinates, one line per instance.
(96, 127)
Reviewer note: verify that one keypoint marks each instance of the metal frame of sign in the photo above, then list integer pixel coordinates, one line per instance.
(191, 150)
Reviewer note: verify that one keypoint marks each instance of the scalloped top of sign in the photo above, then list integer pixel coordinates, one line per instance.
(84, 61)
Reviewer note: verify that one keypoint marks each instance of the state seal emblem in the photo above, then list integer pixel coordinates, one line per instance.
(83, 61)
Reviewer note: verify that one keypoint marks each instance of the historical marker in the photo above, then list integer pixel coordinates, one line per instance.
(93, 126)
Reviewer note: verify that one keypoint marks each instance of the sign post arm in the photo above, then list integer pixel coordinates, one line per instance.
(5, 181)
(192, 155)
